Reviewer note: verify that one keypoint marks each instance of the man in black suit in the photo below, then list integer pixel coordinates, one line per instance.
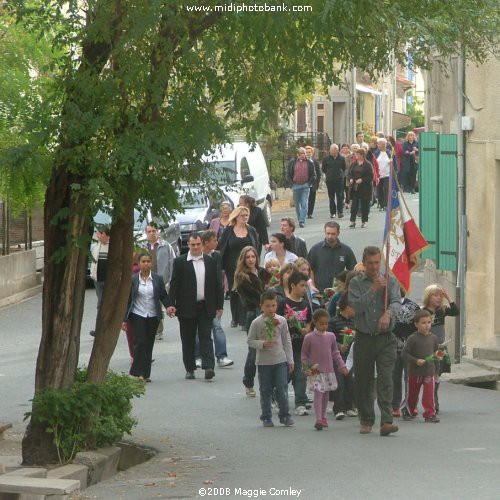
(196, 297)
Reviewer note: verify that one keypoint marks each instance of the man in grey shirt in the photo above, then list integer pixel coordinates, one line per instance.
(375, 344)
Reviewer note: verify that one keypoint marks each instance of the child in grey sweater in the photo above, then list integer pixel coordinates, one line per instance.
(269, 335)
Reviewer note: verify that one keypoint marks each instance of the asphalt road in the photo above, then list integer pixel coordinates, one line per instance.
(211, 440)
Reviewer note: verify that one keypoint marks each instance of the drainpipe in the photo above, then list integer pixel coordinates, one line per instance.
(462, 219)
(353, 104)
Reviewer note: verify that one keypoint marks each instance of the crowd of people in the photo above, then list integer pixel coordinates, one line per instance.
(338, 330)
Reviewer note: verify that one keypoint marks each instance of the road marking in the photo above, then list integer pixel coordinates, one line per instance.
(470, 449)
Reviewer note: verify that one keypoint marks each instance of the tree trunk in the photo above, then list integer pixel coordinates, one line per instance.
(116, 292)
(66, 242)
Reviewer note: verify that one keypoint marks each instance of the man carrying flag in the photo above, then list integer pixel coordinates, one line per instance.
(402, 238)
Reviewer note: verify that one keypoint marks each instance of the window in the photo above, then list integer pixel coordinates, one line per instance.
(301, 119)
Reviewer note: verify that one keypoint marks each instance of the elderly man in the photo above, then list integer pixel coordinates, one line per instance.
(329, 257)
(376, 311)
(297, 244)
(334, 168)
(300, 174)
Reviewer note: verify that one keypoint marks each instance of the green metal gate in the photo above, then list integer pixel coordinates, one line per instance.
(438, 198)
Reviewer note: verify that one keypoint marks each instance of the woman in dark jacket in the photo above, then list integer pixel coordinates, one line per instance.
(144, 313)
(250, 281)
(409, 162)
(235, 237)
(257, 220)
(361, 183)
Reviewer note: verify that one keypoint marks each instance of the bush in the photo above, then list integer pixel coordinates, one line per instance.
(87, 415)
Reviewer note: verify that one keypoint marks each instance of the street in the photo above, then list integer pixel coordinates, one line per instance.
(211, 440)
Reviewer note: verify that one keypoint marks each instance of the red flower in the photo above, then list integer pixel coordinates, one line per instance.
(347, 331)
(440, 354)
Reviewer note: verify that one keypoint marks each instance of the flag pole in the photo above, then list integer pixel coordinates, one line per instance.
(388, 210)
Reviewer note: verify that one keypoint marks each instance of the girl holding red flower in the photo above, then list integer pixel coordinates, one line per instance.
(320, 351)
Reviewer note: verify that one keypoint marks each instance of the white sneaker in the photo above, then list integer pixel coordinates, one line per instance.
(340, 415)
(250, 392)
(198, 362)
(159, 336)
(301, 411)
(222, 363)
(352, 413)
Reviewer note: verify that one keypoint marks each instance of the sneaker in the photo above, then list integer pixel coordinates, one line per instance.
(250, 391)
(302, 224)
(287, 421)
(396, 412)
(198, 362)
(318, 425)
(159, 336)
(352, 413)
(209, 374)
(224, 362)
(324, 422)
(332, 216)
(267, 422)
(363, 224)
(432, 420)
(388, 428)
(309, 216)
(301, 411)
(352, 225)
(406, 414)
(340, 415)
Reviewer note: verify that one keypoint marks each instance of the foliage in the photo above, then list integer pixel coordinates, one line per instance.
(149, 87)
(415, 111)
(87, 415)
(25, 81)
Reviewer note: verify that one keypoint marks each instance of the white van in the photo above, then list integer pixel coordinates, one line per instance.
(241, 169)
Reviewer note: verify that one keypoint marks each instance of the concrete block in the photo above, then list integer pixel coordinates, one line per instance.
(17, 272)
(37, 486)
(491, 353)
(28, 472)
(102, 463)
(2, 468)
(71, 471)
(133, 454)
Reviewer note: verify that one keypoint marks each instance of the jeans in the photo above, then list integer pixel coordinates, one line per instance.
(370, 351)
(220, 348)
(299, 380)
(250, 368)
(273, 378)
(301, 200)
(336, 191)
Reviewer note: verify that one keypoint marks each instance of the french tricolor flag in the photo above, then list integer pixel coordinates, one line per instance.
(403, 240)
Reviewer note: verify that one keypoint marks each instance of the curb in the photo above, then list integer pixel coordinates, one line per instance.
(88, 468)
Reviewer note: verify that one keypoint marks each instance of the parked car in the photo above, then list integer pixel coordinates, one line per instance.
(168, 231)
(240, 168)
(199, 210)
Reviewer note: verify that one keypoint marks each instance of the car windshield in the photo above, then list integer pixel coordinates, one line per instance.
(223, 172)
(192, 198)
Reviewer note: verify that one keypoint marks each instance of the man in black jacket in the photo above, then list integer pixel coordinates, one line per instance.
(334, 169)
(300, 175)
(196, 297)
(315, 184)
